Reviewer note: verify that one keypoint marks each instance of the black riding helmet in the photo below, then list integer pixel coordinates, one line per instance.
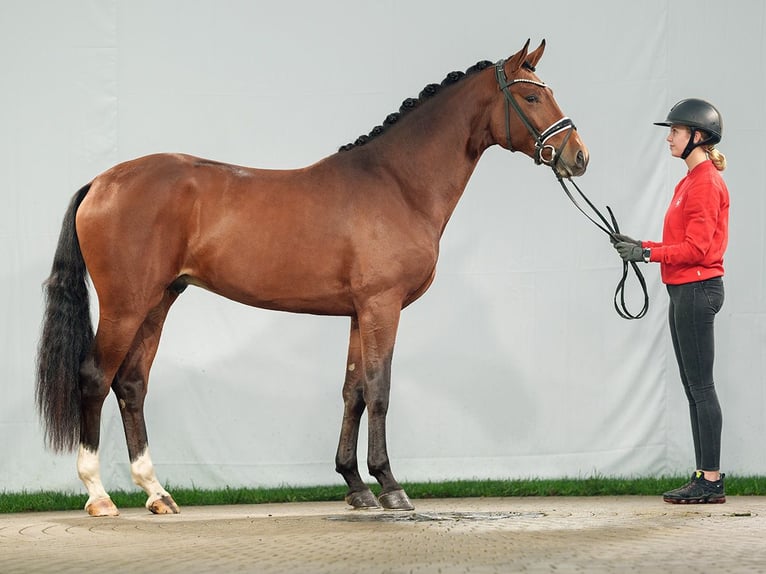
(696, 115)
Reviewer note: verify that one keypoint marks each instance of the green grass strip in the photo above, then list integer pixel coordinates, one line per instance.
(594, 486)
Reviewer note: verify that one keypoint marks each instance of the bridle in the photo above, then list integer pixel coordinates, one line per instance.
(540, 137)
(541, 148)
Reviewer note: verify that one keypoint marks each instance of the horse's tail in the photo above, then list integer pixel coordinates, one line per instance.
(67, 336)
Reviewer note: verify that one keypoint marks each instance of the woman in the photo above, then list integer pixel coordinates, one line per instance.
(694, 239)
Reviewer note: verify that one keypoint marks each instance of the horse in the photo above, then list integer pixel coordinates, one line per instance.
(356, 234)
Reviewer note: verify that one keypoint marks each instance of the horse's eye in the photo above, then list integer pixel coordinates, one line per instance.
(532, 99)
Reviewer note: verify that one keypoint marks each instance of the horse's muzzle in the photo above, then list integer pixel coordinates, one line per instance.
(574, 158)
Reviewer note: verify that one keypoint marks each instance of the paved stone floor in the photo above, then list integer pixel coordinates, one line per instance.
(479, 535)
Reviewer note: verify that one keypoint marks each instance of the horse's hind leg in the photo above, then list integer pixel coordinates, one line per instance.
(130, 386)
(359, 494)
(112, 341)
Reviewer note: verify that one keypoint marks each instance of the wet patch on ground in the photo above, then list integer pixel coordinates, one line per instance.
(434, 516)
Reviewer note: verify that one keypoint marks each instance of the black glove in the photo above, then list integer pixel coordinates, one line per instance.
(629, 251)
(618, 237)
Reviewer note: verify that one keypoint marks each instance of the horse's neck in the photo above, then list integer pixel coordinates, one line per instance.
(435, 150)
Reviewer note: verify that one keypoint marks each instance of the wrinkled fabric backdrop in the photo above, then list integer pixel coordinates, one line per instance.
(514, 364)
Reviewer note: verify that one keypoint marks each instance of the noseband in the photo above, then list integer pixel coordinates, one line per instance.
(541, 148)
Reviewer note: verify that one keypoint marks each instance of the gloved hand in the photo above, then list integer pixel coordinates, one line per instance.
(629, 251)
(619, 237)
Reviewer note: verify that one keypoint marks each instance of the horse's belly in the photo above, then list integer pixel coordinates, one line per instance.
(281, 291)
(298, 303)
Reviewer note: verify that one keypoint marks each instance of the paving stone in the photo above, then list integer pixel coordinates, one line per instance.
(484, 535)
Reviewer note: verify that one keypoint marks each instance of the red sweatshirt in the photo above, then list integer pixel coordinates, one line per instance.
(696, 229)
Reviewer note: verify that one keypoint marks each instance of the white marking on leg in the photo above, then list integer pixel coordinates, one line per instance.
(142, 471)
(88, 468)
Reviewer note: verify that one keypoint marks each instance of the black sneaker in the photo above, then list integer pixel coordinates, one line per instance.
(698, 490)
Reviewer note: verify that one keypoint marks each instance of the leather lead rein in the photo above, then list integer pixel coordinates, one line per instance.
(610, 229)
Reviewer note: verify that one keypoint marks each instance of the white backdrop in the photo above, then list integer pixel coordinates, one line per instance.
(514, 364)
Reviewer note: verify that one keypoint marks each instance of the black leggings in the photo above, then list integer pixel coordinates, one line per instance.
(693, 307)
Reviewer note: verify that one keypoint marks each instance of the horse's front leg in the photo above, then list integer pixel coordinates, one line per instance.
(378, 324)
(359, 494)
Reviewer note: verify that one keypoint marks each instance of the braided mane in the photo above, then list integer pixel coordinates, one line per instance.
(410, 104)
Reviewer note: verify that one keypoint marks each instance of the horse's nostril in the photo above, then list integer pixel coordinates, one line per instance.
(581, 161)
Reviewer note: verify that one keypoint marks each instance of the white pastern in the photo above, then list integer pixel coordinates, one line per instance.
(142, 471)
(89, 470)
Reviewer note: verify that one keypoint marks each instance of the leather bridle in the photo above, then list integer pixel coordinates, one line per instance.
(541, 147)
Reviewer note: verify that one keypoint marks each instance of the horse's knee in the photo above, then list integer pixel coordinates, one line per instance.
(377, 407)
(376, 396)
(353, 394)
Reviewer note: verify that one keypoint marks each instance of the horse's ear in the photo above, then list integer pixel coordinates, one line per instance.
(534, 57)
(515, 61)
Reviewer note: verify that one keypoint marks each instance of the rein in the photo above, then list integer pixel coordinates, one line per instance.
(551, 160)
(610, 230)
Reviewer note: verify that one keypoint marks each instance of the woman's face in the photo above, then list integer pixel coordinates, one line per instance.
(678, 138)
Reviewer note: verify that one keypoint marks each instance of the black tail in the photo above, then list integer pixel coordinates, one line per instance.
(67, 336)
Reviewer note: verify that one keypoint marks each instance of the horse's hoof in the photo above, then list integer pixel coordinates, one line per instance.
(163, 505)
(362, 499)
(101, 507)
(396, 500)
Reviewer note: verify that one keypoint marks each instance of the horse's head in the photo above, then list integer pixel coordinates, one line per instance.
(528, 119)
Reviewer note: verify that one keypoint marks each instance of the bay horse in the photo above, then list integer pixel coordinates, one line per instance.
(355, 234)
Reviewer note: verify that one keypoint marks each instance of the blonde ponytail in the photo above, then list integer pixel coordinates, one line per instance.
(718, 159)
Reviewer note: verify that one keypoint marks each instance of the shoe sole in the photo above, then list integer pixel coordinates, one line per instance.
(695, 500)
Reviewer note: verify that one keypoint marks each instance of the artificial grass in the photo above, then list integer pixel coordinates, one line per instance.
(593, 486)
